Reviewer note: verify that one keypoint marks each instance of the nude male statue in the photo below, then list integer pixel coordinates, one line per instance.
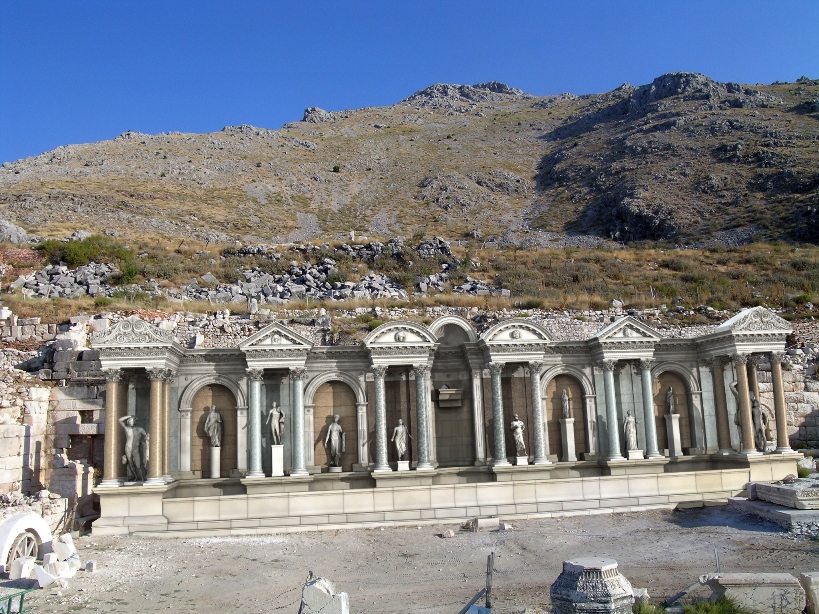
(275, 418)
(135, 457)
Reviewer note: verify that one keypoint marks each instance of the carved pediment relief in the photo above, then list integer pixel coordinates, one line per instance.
(132, 331)
(627, 329)
(756, 319)
(400, 334)
(515, 332)
(275, 337)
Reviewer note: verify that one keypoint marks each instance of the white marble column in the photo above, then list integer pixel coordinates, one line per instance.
(612, 424)
(297, 376)
(649, 420)
(113, 435)
(381, 462)
(717, 365)
(748, 446)
(254, 422)
(422, 415)
(477, 416)
(363, 453)
(433, 434)
(591, 423)
(541, 434)
(184, 440)
(166, 426)
(783, 445)
(242, 452)
(495, 369)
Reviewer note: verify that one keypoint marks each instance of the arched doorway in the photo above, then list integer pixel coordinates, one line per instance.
(213, 394)
(452, 399)
(335, 398)
(682, 404)
(554, 412)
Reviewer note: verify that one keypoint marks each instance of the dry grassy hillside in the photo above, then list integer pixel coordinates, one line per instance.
(684, 158)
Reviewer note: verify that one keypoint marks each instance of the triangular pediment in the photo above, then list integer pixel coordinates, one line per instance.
(276, 336)
(400, 334)
(627, 329)
(756, 319)
(133, 331)
(515, 331)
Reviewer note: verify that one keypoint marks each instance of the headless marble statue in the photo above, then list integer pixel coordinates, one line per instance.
(136, 449)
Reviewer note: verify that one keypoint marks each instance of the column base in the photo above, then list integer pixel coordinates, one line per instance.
(725, 452)
(542, 461)
(381, 468)
(619, 457)
(112, 483)
(157, 481)
(298, 474)
(255, 474)
(168, 478)
(501, 463)
(787, 450)
(426, 467)
(654, 455)
(753, 452)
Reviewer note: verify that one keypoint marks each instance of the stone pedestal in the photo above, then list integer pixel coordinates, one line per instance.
(672, 427)
(403, 465)
(277, 461)
(777, 593)
(567, 437)
(215, 462)
(521, 460)
(591, 586)
(635, 455)
(335, 469)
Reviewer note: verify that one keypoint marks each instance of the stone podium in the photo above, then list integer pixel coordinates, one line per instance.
(567, 437)
(277, 461)
(215, 462)
(672, 427)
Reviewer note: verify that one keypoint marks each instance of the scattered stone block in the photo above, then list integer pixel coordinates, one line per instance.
(448, 534)
(761, 593)
(22, 568)
(91, 566)
(486, 524)
(319, 595)
(810, 583)
(591, 585)
(641, 595)
(504, 526)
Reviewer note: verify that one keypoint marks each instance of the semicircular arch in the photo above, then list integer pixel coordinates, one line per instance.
(438, 325)
(186, 400)
(334, 376)
(578, 374)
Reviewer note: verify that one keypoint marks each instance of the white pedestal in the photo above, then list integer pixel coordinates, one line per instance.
(215, 462)
(567, 437)
(335, 469)
(672, 427)
(635, 455)
(277, 461)
(521, 460)
(403, 466)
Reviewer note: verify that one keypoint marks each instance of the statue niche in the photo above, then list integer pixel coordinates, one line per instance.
(201, 440)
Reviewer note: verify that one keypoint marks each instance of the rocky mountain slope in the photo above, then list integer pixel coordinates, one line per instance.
(683, 158)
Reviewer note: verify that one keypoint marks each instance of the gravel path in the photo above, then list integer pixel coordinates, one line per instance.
(384, 570)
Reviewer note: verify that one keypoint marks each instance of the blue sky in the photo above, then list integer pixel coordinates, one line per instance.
(83, 70)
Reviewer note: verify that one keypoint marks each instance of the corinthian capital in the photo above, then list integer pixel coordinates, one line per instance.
(379, 370)
(608, 365)
(255, 375)
(535, 368)
(496, 368)
(739, 359)
(297, 373)
(646, 364)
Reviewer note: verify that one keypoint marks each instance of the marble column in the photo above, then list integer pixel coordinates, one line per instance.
(422, 413)
(495, 369)
(477, 416)
(166, 425)
(541, 435)
(431, 423)
(748, 446)
(649, 419)
(612, 424)
(780, 415)
(753, 377)
(297, 376)
(157, 379)
(381, 462)
(717, 365)
(113, 435)
(184, 440)
(254, 422)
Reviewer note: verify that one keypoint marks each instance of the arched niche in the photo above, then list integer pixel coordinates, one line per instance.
(202, 399)
(553, 405)
(682, 401)
(456, 328)
(335, 398)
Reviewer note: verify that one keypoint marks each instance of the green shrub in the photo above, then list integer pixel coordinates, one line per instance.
(374, 323)
(803, 472)
(646, 607)
(722, 606)
(103, 301)
(96, 248)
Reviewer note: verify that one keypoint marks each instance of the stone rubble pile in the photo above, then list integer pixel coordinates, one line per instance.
(59, 281)
(479, 288)
(58, 566)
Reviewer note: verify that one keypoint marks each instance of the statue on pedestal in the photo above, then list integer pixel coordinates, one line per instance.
(759, 424)
(213, 427)
(399, 437)
(334, 442)
(630, 429)
(566, 404)
(136, 449)
(275, 418)
(518, 427)
(670, 401)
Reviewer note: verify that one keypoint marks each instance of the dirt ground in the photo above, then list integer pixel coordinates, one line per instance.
(413, 569)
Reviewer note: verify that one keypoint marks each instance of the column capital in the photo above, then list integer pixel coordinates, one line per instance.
(297, 373)
(715, 361)
(646, 363)
(755, 360)
(156, 374)
(420, 370)
(608, 365)
(496, 367)
(535, 368)
(477, 373)
(255, 375)
(169, 376)
(379, 370)
(113, 375)
(739, 359)
(778, 357)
